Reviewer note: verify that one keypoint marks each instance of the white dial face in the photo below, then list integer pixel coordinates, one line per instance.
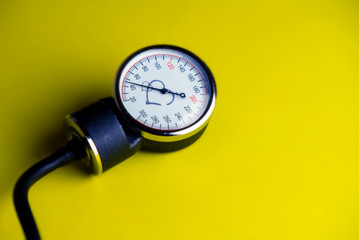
(164, 89)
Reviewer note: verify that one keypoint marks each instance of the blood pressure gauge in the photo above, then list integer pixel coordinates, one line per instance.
(167, 93)
(164, 96)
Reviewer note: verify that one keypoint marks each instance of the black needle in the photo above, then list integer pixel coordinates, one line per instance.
(163, 90)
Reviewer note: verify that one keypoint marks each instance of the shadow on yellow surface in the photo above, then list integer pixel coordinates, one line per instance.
(279, 159)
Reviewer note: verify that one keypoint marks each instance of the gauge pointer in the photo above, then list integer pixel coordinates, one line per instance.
(163, 90)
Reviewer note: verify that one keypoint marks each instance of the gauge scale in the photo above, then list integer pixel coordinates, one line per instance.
(167, 93)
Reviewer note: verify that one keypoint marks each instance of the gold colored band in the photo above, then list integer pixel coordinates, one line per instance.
(93, 160)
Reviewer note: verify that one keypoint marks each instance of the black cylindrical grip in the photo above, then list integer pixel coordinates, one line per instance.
(100, 123)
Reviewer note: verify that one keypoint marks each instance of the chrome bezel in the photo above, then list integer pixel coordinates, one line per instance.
(168, 135)
(93, 160)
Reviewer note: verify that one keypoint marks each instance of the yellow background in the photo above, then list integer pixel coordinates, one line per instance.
(279, 159)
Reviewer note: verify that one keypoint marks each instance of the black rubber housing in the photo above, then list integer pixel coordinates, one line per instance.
(171, 146)
(114, 141)
(116, 137)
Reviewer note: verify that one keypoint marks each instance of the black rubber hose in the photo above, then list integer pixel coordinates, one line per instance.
(72, 151)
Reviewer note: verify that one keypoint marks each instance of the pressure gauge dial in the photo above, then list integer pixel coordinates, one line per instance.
(164, 96)
(167, 93)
